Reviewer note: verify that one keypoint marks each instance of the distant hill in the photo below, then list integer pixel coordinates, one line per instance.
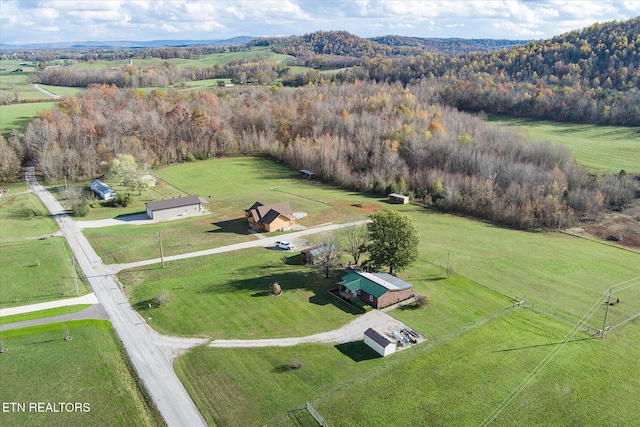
(241, 40)
(450, 46)
(343, 43)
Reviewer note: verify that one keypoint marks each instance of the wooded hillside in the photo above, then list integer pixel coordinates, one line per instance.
(371, 137)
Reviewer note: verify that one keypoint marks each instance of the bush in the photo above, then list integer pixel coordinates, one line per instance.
(162, 298)
(121, 200)
(421, 301)
(81, 209)
(295, 364)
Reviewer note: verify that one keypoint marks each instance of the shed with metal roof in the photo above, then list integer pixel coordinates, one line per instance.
(177, 208)
(379, 342)
(379, 290)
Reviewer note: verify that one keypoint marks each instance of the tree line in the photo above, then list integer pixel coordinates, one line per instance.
(373, 137)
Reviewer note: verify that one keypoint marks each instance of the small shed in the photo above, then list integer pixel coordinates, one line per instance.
(177, 208)
(308, 174)
(379, 342)
(398, 198)
(311, 255)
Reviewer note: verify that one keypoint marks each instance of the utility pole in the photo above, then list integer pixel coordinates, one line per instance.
(161, 254)
(605, 313)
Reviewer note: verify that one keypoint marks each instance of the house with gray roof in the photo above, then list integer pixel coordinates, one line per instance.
(101, 189)
(180, 207)
(379, 290)
(274, 217)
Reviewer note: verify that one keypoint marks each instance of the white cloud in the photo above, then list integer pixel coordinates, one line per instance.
(23, 21)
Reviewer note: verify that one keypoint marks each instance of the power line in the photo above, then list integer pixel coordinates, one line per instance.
(525, 382)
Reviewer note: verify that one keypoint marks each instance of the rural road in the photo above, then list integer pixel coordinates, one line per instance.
(265, 242)
(151, 364)
(52, 95)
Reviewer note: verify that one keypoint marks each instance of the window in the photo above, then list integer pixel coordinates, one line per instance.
(370, 298)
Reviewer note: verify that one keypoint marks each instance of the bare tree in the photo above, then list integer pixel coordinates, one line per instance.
(357, 238)
(327, 253)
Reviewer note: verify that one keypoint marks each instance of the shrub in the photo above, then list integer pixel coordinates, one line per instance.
(295, 364)
(421, 301)
(122, 200)
(275, 288)
(162, 298)
(81, 209)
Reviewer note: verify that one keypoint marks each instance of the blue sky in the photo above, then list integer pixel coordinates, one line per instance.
(65, 20)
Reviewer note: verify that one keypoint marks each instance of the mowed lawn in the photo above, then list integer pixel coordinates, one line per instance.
(40, 366)
(18, 115)
(23, 214)
(559, 273)
(457, 381)
(227, 296)
(598, 148)
(37, 270)
(461, 382)
(231, 185)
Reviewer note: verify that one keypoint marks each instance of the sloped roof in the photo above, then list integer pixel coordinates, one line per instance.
(376, 284)
(269, 213)
(377, 337)
(176, 203)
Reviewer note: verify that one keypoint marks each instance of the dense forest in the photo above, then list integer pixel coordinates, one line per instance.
(375, 137)
(388, 123)
(586, 76)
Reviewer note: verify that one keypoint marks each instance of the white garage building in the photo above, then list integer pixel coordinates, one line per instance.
(177, 208)
(379, 342)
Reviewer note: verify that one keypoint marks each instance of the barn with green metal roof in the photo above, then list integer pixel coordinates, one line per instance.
(379, 290)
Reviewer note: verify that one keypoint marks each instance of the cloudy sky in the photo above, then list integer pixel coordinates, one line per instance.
(143, 20)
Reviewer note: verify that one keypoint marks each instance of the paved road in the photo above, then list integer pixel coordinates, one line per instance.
(152, 366)
(95, 311)
(265, 242)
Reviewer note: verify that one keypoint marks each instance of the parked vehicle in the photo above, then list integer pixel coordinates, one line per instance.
(284, 245)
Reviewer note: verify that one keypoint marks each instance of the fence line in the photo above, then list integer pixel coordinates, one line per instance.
(316, 415)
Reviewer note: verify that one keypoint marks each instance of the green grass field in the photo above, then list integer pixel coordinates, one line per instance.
(455, 381)
(40, 366)
(225, 296)
(23, 214)
(598, 148)
(41, 270)
(460, 382)
(63, 90)
(254, 180)
(19, 115)
(235, 287)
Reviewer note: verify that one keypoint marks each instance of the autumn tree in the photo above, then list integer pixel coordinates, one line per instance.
(393, 241)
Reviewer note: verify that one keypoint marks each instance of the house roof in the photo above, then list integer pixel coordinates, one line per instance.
(318, 249)
(378, 337)
(100, 186)
(269, 213)
(176, 203)
(398, 196)
(376, 284)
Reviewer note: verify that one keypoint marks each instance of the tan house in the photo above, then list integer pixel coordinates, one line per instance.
(274, 217)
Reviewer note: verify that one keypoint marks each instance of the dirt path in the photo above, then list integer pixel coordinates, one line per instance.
(353, 331)
(46, 92)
